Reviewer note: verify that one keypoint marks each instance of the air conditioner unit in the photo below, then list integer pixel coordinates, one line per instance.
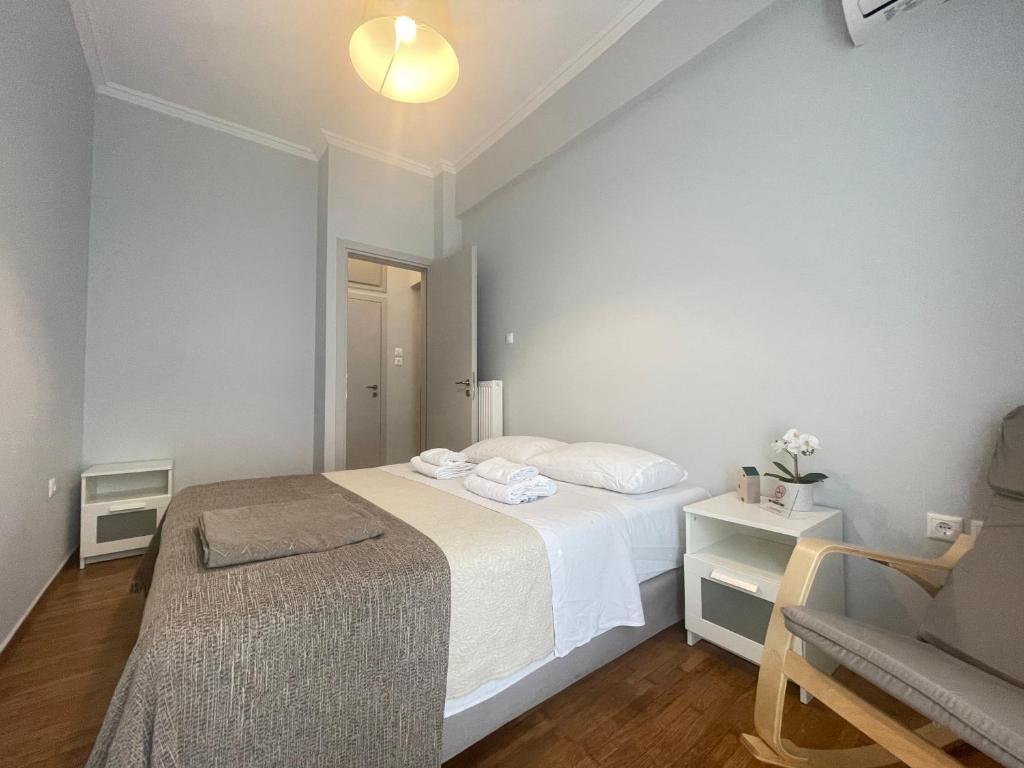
(864, 17)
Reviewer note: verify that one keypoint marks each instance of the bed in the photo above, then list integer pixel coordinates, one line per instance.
(626, 551)
(465, 606)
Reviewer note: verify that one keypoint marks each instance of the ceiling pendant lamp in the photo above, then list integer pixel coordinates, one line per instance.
(404, 59)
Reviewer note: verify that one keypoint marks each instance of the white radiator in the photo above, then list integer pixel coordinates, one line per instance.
(488, 409)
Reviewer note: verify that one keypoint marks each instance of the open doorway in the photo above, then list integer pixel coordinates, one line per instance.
(386, 351)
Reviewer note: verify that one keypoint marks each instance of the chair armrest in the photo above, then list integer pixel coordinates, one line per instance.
(809, 553)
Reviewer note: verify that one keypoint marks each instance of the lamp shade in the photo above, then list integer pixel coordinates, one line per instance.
(404, 60)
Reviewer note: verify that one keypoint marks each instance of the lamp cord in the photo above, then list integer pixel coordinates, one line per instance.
(387, 72)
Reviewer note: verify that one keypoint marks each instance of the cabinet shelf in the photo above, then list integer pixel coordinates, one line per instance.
(130, 494)
(743, 554)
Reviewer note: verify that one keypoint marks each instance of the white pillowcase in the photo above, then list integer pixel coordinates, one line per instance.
(606, 465)
(517, 448)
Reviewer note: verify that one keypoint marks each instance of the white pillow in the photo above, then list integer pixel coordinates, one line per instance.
(606, 465)
(517, 448)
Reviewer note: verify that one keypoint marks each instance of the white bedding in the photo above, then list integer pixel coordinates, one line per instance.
(656, 525)
(601, 545)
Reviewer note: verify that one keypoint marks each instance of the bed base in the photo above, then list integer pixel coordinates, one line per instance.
(662, 599)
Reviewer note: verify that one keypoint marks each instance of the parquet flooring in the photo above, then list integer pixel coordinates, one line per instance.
(662, 704)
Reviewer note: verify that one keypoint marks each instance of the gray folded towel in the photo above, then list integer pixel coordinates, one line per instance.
(267, 531)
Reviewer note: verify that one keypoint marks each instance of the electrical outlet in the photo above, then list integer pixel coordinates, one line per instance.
(51, 488)
(944, 527)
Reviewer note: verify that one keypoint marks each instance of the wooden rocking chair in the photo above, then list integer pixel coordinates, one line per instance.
(968, 678)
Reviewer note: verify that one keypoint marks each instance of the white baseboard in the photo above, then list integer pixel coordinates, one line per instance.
(46, 586)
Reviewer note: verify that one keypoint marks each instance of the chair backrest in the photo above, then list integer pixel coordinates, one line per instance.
(979, 613)
(1006, 473)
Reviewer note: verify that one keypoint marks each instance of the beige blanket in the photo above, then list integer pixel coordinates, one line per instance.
(501, 617)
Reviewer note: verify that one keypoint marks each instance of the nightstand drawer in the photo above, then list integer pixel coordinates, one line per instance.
(124, 525)
(743, 580)
(730, 608)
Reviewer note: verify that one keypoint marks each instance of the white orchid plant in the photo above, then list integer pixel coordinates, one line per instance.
(796, 444)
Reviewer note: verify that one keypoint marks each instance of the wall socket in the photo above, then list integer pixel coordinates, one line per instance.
(944, 527)
(51, 488)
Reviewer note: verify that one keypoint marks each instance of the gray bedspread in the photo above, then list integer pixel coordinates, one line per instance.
(335, 658)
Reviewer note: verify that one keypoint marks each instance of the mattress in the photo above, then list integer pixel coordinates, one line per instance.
(650, 525)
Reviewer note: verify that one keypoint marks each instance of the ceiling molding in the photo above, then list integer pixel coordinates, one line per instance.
(92, 48)
(190, 115)
(586, 55)
(84, 15)
(81, 10)
(391, 158)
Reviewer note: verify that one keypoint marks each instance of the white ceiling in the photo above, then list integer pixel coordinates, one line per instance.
(281, 67)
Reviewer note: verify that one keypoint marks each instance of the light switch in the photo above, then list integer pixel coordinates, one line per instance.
(398, 351)
(398, 362)
(510, 338)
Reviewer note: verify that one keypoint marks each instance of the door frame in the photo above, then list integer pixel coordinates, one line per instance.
(335, 367)
(361, 294)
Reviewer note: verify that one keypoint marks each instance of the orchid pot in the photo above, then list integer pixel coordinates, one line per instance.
(795, 491)
(796, 497)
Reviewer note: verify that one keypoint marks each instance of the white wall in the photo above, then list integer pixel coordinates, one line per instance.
(201, 300)
(388, 209)
(380, 204)
(672, 33)
(46, 100)
(788, 232)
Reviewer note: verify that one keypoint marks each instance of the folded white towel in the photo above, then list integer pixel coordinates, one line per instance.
(441, 473)
(504, 471)
(517, 493)
(442, 457)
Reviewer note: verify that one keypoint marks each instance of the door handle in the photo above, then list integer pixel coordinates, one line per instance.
(374, 387)
(468, 386)
(462, 383)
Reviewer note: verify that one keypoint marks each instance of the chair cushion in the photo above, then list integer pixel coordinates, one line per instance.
(982, 709)
(978, 615)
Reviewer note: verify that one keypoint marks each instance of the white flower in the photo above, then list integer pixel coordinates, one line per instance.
(778, 445)
(808, 444)
(791, 435)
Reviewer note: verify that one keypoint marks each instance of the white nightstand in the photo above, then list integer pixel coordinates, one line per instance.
(735, 556)
(122, 505)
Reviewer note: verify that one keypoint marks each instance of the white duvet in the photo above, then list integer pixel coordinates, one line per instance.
(599, 546)
(594, 585)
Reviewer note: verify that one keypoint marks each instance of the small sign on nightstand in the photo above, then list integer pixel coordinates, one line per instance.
(784, 498)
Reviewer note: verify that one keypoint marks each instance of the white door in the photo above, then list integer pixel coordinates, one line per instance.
(451, 351)
(364, 421)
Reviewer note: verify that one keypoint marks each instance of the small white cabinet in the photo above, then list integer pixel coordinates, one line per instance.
(122, 505)
(735, 556)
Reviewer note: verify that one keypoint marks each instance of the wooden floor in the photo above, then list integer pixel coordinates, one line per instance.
(662, 704)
